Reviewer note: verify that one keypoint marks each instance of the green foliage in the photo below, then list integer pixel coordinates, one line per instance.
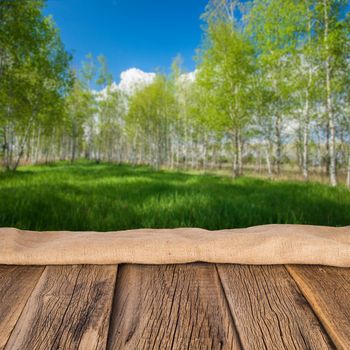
(34, 74)
(111, 114)
(151, 111)
(277, 28)
(106, 197)
(225, 71)
(81, 106)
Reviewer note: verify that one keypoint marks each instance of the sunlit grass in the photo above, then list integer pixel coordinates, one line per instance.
(105, 197)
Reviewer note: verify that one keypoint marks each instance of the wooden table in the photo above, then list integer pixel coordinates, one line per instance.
(196, 306)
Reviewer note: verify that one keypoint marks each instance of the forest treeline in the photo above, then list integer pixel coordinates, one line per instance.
(271, 90)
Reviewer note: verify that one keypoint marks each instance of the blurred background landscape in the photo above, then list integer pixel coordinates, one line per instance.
(230, 114)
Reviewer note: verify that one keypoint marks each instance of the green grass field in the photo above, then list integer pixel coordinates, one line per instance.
(107, 197)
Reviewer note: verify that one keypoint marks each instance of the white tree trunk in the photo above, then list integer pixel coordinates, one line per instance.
(278, 127)
(268, 161)
(305, 159)
(329, 104)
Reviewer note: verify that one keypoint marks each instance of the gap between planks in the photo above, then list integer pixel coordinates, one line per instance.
(327, 289)
(269, 310)
(68, 309)
(171, 307)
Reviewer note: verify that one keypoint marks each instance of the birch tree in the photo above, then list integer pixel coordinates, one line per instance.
(34, 74)
(274, 27)
(226, 68)
(330, 31)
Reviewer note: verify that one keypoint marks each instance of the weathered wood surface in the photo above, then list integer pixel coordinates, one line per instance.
(171, 307)
(327, 289)
(269, 310)
(16, 286)
(68, 309)
(194, 306)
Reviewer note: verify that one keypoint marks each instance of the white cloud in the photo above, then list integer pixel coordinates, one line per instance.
(134, 79)
(188, 77)
(131, 80)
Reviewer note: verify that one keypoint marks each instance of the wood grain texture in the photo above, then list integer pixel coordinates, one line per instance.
(327, 289)
(269, 310)
(171, 307)
(68, 309)
(16, 285)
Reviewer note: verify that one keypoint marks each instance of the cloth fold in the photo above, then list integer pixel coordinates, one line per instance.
(260, 245)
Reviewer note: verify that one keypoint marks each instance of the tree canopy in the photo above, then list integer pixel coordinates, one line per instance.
(270, 92)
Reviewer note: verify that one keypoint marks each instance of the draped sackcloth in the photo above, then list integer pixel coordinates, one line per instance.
(261, 245)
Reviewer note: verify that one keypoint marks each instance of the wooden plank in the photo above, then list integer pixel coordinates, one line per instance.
(16, 285)
(269, 310)
(68, 309)
(327, 289)
(171, 307)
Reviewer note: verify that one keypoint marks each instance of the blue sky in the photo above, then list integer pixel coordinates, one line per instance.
(146, 34)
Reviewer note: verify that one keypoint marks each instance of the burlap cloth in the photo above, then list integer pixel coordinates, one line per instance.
(271, 244)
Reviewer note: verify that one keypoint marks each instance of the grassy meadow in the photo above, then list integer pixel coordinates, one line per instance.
(104, 197)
